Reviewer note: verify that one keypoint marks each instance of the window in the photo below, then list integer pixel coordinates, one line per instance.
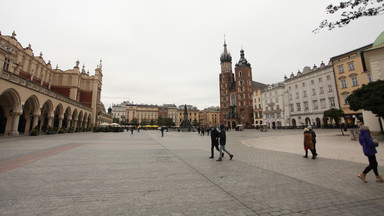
(332, 102)
(298, 106)
(328, 77)
(369, 77)
(320, 80)
(313, 91)
(345, 99)
(291, 108)
(6, 64)
(240, 73)
(290, 96)
(315, 105)
(343, 83)
(312, 82)
(295, 86)
(330, 88)
(275, 93)
(341, 69)
(351, 66)
(303, 84)
(297, 95)
(322, 102)
(321, 90)
(277, 100)
(304, 93)
(354, 81)
(270, 94)
(277, 107)
(289, 88)
(306, 106)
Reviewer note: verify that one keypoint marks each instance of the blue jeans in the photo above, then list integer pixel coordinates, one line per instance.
(222, 148)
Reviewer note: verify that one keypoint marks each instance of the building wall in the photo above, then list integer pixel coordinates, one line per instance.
(349, 76)
(21, 65)
(313, 88)
(273, 106)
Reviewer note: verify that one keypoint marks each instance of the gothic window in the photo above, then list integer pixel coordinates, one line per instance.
(240, 74)
(233, 99)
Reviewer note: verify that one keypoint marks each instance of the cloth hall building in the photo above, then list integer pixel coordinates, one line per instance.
(34, 95)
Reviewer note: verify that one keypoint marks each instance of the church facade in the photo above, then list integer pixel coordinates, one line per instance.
(236, 91)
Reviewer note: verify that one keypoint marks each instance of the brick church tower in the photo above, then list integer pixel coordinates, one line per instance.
(235, 91)
(226, 81)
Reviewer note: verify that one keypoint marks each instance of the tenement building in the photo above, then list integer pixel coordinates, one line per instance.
(308, 94)
(34, 95)
(236, 91)
(273, 106)
(350, 75)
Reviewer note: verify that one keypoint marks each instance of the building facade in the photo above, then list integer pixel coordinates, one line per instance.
(147, 113)
(309, 94)
(273, 106)
(34, 95)
(119, 111)
(210, 117)
(350, 75)
(374, 70)
(257, 104)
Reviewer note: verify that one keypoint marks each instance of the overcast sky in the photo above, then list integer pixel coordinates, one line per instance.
(168, 51)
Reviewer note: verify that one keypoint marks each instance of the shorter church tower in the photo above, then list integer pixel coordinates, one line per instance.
(244, 90)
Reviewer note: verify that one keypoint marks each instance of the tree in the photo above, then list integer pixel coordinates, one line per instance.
(369, 97)
(334, 114)
(115, 120)
(135, 122)
(169, 122)
(351, 10)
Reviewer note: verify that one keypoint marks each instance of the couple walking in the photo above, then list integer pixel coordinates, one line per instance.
(215, 136)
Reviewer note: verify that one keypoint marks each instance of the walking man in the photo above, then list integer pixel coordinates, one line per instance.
(223, 138)
(214, 141)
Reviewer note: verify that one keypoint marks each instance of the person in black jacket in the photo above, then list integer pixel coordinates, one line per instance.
(313, 139)
(214, 140)
(223, 138)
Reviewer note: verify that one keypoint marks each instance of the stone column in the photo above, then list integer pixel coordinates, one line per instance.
(27, 124)
(69, 121)
(35, 121)
(61, 117)
(15, 124)
(50, 121)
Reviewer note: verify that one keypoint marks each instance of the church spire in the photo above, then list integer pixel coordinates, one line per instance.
(226, 56)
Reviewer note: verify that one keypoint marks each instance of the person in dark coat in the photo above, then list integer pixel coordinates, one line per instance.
(214, 140)
(162, 131)
(308, 143)
(223, 139)
(369, 149)
(313, 139)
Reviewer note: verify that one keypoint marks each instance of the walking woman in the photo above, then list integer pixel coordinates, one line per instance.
(308, 143)
(369, 149)
(222, 144)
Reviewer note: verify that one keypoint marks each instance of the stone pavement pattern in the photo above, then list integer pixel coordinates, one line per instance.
(146, 174)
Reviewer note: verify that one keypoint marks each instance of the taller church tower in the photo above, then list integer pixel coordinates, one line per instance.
(226, 82)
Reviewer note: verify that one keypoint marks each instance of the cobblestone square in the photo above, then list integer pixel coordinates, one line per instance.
(146, 174)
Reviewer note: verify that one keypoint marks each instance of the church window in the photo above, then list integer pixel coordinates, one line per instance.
(240, 73)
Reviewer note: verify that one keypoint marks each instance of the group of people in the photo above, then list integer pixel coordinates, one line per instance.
(219, 137)
(366, 141)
